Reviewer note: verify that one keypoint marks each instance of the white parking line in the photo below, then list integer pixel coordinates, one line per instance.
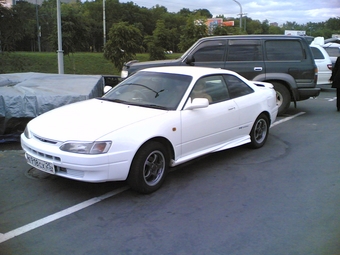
(286, 119)
(58, 215)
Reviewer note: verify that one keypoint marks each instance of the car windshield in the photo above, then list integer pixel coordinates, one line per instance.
(151, 89)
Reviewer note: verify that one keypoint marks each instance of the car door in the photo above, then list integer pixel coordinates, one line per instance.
(246, 100)
(213, 126)
(245, 56)
(210, 53)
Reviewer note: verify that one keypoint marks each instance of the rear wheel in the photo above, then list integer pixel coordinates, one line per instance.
(283, 97)
(259, 132)
(149, 168)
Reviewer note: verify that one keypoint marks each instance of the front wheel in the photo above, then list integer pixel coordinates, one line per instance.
(259, 132)
(148, 168)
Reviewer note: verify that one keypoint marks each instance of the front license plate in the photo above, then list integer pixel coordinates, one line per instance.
(40, 164)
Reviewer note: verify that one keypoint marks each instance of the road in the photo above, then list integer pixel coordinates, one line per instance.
(280, 199)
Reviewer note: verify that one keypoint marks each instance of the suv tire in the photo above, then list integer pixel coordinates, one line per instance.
(283, 97)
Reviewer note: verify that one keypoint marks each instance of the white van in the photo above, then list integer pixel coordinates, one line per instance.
(324, 64)
(333, 50)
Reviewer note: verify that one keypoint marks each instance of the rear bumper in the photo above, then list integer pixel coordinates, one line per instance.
(305, 93)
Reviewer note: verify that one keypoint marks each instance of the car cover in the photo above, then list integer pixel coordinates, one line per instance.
(24, 96)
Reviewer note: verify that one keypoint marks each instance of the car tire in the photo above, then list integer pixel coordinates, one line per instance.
(149, 168)
(259, 131)
(283, 97)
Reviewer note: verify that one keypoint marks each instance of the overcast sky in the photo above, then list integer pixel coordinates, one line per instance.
(280, 11)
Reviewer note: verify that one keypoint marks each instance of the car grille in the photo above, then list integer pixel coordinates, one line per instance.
(40, 154)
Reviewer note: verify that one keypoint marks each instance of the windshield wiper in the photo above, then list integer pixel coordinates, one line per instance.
(155, 106)
(137, 84)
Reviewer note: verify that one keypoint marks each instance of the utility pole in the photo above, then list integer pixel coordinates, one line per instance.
(60, 44)
(104, 24)
(38, 27)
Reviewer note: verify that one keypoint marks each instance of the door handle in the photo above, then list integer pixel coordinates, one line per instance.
(259, 68)
(231, 108)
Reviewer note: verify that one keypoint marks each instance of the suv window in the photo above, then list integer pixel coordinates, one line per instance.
(284, 50)
(244, 50)
(237, 87)
(210, 51)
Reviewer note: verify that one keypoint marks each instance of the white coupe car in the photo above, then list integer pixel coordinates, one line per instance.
(157, 118)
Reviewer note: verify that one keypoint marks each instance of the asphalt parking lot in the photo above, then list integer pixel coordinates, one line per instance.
(281, 199)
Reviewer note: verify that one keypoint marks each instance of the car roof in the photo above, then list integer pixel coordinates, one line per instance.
(267, 36)
(195, 71)
(332, 45)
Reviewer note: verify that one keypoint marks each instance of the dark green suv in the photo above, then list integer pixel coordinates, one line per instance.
(285, 61)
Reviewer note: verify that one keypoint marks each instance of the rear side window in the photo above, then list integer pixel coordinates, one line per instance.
(244, 50)
(284, 50)
(317, 53)
(237, 87)
(210, 51)
(332, 51)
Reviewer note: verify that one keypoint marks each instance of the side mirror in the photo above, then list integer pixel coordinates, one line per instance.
(190, 60)
(106, 89)
(196, 103)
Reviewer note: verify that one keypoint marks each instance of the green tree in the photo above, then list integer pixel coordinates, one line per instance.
(254, 27)
(194, 29)
(124, 42)
(74, 28)
(333, 24)
(11, 28)
(160, 41)
(275, 30)
(27, 15)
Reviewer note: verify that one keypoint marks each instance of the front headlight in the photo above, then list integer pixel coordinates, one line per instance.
(86, 147)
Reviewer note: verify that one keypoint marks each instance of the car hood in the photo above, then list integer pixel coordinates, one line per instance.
(133, 66)
(88, 120)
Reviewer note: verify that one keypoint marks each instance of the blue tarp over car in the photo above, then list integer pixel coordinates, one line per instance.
(24, 96)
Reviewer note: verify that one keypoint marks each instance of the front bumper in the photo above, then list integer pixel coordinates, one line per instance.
(87, 168)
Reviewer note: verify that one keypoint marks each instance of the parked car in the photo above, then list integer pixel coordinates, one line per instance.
(324, 64)
(333, 50)
(156, 119)
(285, 61)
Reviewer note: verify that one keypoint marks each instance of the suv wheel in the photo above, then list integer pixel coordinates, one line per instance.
(282, 97)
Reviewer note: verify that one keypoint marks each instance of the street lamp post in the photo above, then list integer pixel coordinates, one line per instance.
(60, 44)
(240, 12)
(38, 27)
(104, 24)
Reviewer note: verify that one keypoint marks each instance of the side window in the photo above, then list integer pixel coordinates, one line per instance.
(284, 50)
(237, 87)
(244, 50)
(211, 87)
(317, 53)
(333, 51)
(210, 51)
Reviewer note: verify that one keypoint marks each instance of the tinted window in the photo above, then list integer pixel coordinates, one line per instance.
(284, 50)
(237, 87)
(210, 51)
(244, 50)
(211, 87)
(317, 53)
(333, 51)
